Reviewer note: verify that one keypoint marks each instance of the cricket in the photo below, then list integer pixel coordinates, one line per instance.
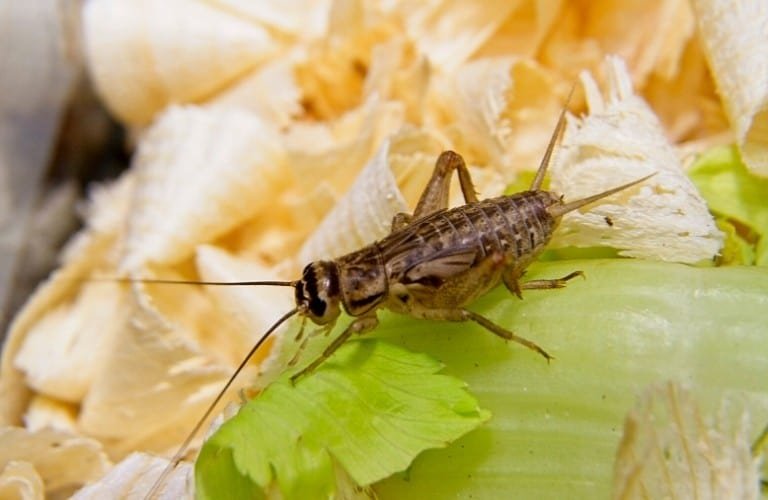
(432, 265)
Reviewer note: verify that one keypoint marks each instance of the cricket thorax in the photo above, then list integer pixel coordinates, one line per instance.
(317, 292)
(364, 279)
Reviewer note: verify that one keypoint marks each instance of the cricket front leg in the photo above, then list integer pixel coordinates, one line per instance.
(325, 330)
(467, 315)
(358, 326)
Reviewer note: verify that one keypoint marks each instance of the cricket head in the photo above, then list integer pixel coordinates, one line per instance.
(318, 293)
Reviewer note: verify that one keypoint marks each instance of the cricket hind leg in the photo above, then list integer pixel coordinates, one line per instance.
(358, 326)
(512, 282)
(506, 334)
(435, 196)
(550, 284)
(460, 315)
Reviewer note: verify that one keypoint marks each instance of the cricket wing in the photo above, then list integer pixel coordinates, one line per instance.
(433, 270)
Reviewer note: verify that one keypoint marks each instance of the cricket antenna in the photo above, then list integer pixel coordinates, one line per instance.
(183, 448)
(537, 181)
(188, 282)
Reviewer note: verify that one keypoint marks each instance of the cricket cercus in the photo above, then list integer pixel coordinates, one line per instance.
(432, 264)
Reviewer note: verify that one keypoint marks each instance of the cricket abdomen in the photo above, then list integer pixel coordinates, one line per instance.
(453, 256)
(521, 224)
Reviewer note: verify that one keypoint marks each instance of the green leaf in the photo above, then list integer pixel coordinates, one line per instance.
(371, 408)
(556, 427)
(735, 195)
(736, 250)
(523, 182)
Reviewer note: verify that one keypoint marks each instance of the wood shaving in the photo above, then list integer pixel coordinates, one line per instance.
(134, 476)
(733, 36)
(620, 140)
(670, 450)
(59, 459)
(272, 133)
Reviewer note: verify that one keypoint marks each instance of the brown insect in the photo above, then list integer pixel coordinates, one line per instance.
(432, 264)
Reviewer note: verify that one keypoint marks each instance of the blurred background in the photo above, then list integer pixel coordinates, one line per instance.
(55, 138)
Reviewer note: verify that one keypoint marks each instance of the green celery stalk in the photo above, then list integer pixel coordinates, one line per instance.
(556, 427)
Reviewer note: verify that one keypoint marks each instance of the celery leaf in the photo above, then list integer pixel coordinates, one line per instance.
(371, 408)
(736, 195)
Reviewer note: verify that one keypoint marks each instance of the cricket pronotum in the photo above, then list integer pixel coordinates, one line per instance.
(432, 265)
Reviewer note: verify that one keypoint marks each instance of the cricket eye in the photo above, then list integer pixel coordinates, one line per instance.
(317, 307)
